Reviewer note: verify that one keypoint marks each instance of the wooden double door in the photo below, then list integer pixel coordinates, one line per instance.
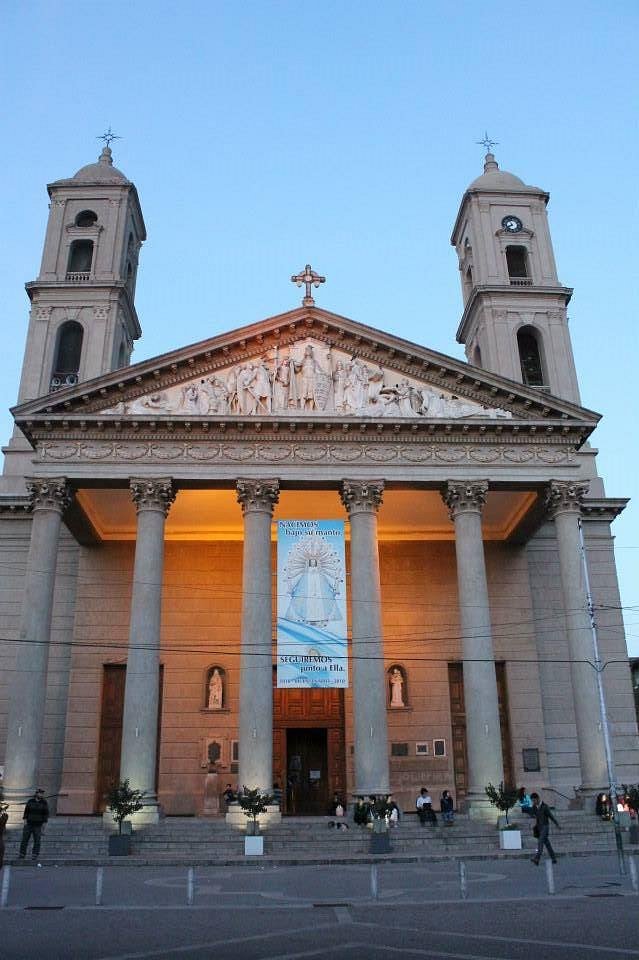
(458, 728)
(309, 760)
(113, 683)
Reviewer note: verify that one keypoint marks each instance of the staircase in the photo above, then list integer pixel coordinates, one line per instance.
(305, 840)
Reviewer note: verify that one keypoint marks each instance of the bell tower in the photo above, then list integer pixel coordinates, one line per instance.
(83, 321)
(514, 321)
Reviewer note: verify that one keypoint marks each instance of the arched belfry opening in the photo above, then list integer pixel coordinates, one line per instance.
(530, 357)
(80, 257)
(68, 352)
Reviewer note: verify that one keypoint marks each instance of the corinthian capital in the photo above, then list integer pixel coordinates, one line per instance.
(565, 496)
(52, 493)
(258, 495)
(464, 496)
(362, 496)
(155, 493)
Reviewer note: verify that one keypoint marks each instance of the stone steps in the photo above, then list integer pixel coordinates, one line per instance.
(85, 839)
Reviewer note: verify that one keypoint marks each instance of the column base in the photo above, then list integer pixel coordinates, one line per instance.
(586, 796)
(148, 815)
(236, 818)
(367, 792)
(478, 807)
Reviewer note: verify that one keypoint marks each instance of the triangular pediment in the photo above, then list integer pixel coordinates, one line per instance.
(305, 364)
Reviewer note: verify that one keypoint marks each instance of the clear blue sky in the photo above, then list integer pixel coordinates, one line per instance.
(265, 135)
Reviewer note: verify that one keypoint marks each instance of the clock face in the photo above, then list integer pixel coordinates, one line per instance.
(512, 224)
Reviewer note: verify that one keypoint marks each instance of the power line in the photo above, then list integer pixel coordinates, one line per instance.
(108, 646)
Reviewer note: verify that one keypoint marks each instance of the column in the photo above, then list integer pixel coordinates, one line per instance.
(563, 499)
(465, 501)
(49, 499)
(257, 499)
(362, 500)
(152, 498)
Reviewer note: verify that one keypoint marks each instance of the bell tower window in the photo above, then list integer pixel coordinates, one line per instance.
(80, 260)
(517, 264)
(67, 355)
(532, 373)
(87, 218)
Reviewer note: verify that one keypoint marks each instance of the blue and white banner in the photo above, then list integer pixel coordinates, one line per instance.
(312, 649)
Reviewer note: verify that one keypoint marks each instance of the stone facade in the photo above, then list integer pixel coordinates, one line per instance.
(141, 535)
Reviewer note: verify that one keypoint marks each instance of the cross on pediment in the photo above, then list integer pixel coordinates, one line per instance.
(310, 279)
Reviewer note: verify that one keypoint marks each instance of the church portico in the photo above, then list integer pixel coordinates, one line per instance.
(456, 492)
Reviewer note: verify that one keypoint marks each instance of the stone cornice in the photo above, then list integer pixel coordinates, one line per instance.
(603, 508)
(565, 293)
(135, 428)
(14, 506)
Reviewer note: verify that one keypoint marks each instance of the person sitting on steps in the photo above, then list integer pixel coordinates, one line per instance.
(424, 805)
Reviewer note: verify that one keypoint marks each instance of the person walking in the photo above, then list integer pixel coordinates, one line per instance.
(542, 815)
(36, 814)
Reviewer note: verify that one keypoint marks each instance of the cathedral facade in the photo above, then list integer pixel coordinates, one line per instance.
(138, 509)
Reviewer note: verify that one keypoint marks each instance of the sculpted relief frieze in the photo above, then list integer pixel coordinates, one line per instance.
(309, 453)
(307, 379)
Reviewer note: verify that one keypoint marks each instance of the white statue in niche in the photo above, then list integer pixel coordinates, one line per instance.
(397, 688)
(216, 690)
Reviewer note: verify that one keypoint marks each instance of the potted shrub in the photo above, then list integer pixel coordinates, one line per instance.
(505, 798)
(380, 837)
(122, 801)
(253, 803)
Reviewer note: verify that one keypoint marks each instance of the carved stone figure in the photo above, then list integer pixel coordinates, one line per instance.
(281, 383)
(261, 388)
(299, 383)
(339, 386)
(216, 691)
(397, 688)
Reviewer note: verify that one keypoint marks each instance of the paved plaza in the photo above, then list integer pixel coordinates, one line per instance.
(356, 911)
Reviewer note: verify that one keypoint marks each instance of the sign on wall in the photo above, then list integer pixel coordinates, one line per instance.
(311, 604)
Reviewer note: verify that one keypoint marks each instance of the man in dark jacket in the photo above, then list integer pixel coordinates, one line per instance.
(542, 815)
(36, 814)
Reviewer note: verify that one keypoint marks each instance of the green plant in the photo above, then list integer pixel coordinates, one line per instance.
(254, 802)
(123, 800)
(502, 797)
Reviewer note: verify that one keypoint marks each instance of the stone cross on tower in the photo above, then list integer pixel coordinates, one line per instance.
(310, 279)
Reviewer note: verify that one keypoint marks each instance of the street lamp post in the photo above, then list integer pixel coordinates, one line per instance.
(602, 706)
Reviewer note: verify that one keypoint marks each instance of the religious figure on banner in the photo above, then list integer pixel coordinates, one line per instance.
(216, 690)
(314, 576)
(396, 686)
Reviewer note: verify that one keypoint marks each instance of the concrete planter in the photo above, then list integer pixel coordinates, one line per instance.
(253, 846)
(119, 844)
(380, 842)
(510, 839)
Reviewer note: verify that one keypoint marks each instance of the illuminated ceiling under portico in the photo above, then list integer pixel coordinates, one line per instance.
(216, 514)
